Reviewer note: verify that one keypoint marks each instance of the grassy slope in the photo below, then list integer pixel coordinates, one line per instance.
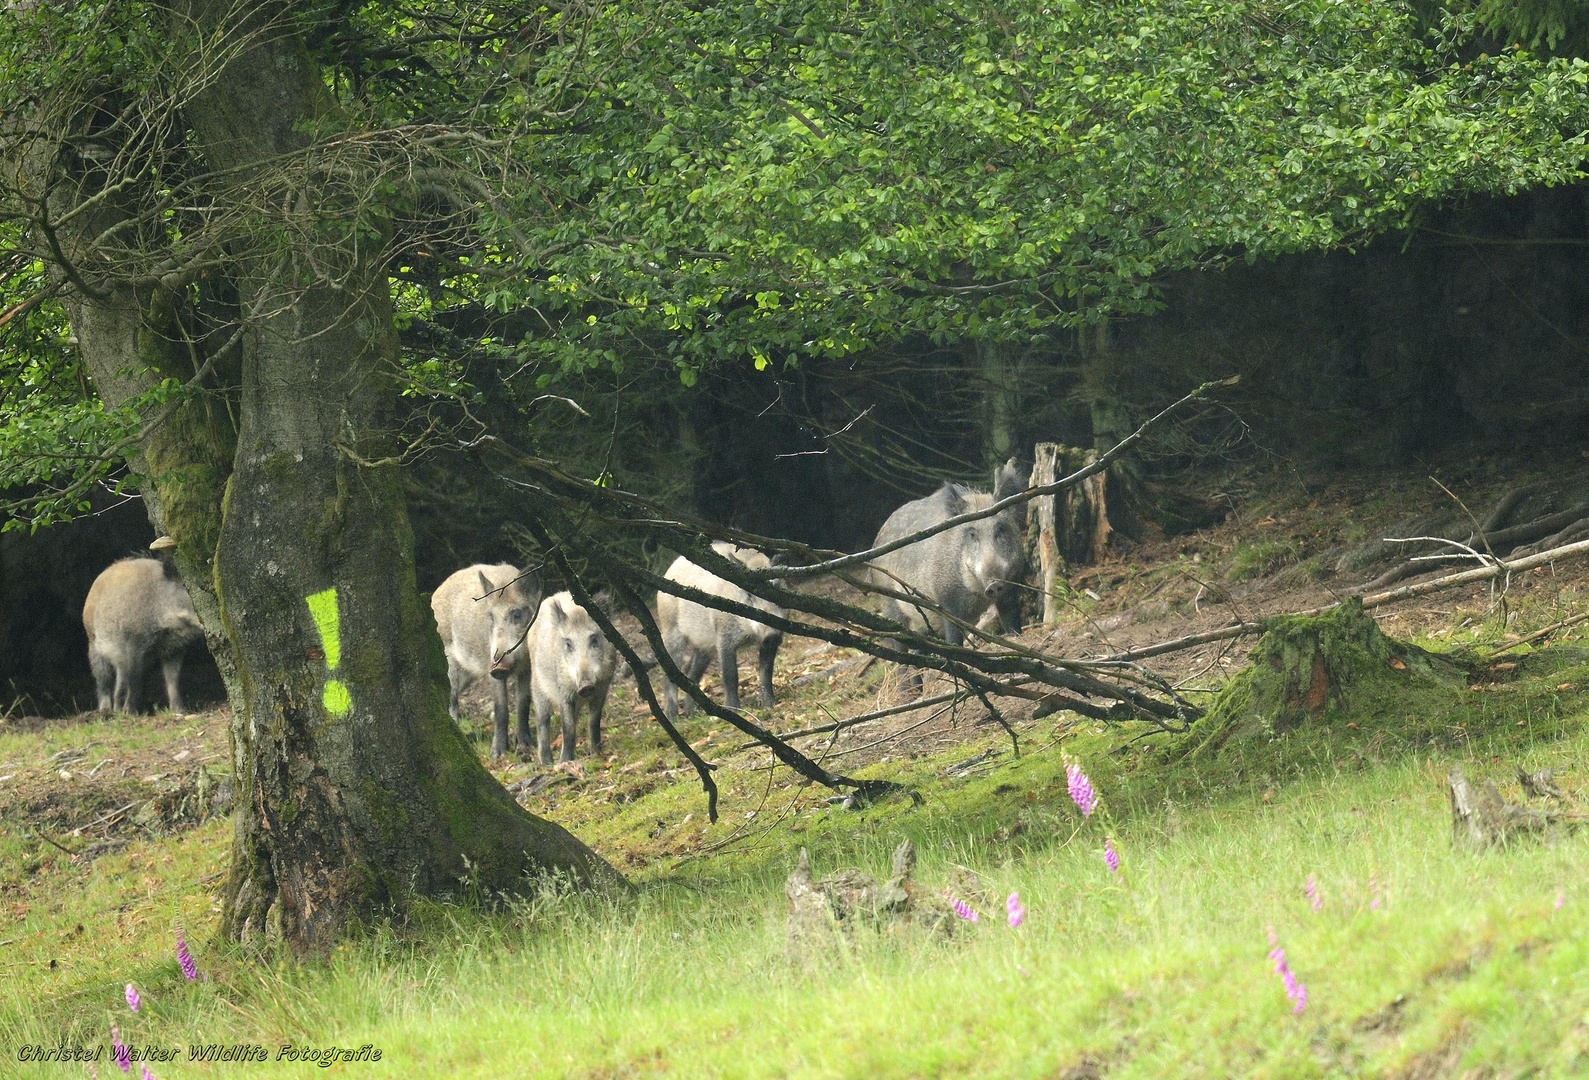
(1160, 971)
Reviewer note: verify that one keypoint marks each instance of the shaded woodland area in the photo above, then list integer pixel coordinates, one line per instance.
(1466, 336)
(347, 296)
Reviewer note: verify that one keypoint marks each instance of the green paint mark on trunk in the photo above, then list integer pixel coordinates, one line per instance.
(323, 608)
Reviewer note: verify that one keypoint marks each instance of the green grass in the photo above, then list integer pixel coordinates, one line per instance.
(1158, 972)
(1248, 561)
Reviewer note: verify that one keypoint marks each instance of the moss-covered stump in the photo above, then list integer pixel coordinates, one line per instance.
(1327, 669)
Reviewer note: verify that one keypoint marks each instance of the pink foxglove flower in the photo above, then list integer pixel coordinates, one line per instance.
(190, 970)
(1111, 857)
(1080, 790)
(119, 1051)
(1315, 898)
(961, 908)
(1015, 910)
(1295, 990)
(133, 1000)
(1561, 898)
(144, 1068)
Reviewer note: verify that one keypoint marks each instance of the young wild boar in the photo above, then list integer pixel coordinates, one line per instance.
(961, 570)
(571, 663)
(137, 609)
(694, 634)
(484, 615)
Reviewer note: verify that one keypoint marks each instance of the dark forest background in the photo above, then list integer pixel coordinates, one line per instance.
(1466, 336)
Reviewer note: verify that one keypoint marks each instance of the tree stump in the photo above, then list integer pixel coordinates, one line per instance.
(820, 912)
(1324, 669)
(1071, 528)
(1480, 818)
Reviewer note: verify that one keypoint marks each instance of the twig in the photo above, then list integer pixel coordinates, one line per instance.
(1483, 573)
(852, 721)
(1542, 632)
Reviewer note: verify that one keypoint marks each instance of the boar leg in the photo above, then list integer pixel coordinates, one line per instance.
(693, 664)
(543, 729)
(104, 679)
(455, 681)
(522, 685)
(598, 703)
(171, 667)
(910, 678)
(768, 653)
(570, 712)
(728, 661)
(951, 631)
(499, 717)
(670, 699)
(129, 677)
(679, 651)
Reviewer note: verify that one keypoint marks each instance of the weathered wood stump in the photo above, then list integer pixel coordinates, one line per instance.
(1071, 528)
(820, 911)
(1480, 818)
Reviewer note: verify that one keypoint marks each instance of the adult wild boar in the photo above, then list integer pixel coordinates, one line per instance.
(571, 663)
(694, 633)
(136, 609)
(961, 570)
(484, 615)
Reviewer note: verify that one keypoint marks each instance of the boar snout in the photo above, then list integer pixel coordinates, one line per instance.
(501, 668)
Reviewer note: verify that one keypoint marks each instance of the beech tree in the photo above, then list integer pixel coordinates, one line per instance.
(216, 216)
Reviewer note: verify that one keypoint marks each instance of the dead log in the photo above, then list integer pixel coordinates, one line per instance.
(1557, 529)
(1465, 577)
(1501, 512)
(1578, 530)
(1505, 539)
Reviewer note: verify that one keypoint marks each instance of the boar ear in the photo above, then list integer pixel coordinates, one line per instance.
(954, 502)
(486, 588)
(528, 586)
(1009, 480)
(602, 599)
(555, 607)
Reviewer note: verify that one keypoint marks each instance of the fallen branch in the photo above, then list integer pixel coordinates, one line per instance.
(852, 721)
(1465, 577)
(1543, 632)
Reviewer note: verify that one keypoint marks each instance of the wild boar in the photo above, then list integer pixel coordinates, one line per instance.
(961, 570)
(484, 615)
(572, 663)
(694, 634)
(136, 609)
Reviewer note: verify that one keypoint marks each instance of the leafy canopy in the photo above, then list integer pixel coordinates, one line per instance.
(662, 181)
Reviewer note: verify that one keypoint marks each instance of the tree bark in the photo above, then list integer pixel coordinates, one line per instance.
(1001, 378)
(1049, 564)
(355, 788)
(131, 339)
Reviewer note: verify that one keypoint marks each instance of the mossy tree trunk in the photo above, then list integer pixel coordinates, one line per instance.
(354, 788)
